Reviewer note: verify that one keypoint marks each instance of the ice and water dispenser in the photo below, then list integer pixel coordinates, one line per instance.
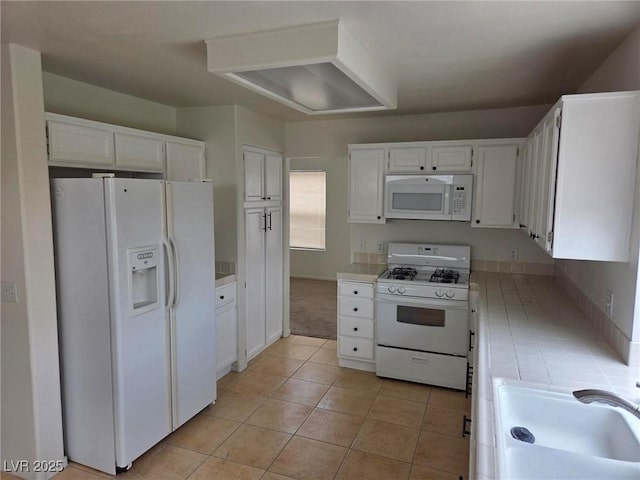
(144, 279)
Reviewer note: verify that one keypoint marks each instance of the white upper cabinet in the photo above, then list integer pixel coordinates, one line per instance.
(407, 159)
(495, 186)
(582, 167)
(429, 157)
(74, 144)
(262, 176)
(185, 161)
(80, 143)
(366, 184)
(140, 152)
(451, 158)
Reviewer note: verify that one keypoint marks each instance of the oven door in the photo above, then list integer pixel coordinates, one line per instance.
(428, 325)
(418, 197)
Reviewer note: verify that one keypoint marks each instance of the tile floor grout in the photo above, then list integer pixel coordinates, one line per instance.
(360, 446)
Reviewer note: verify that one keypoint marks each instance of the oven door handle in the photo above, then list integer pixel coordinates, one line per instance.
(425, 303)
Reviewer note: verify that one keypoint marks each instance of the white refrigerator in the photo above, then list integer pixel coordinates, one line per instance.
(135, 279)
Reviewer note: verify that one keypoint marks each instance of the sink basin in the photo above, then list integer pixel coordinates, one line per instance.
(556, 436)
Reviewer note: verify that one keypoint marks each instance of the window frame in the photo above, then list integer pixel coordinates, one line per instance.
(311, 170)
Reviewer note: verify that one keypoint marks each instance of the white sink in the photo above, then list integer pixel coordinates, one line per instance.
(571, 439)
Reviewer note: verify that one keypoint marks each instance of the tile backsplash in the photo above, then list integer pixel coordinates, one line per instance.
(605, 327)
(374, 258)
(529, 268)
(225, 267)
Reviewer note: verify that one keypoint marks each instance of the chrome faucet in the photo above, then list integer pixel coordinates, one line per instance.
(602, 396)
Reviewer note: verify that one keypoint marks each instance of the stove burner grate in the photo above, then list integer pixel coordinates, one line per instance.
(444, 275)
(402, 273)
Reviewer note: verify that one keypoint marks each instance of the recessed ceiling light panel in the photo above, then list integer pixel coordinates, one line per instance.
(318, 68)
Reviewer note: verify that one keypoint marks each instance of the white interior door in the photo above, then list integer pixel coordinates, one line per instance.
(139, 340)
(190, 224)
(273, 273)
(255, 280)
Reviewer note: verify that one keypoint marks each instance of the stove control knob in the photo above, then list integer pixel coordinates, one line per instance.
(391, 288)
(439, 293)
(401, 290)
(450, 294)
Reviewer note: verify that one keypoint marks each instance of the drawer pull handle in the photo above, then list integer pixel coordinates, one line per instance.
(355, 329)
(355, 349)
(221, 297)
(355, 292)
(355, 309)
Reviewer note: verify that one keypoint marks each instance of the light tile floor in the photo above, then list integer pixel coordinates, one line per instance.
(295, 414)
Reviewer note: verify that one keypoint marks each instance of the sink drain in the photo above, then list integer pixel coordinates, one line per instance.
(523, 434)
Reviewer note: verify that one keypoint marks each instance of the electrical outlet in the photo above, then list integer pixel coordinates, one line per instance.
(363, 245)
(513, 254)
(608, 302)
(9, 292)
(380, 247)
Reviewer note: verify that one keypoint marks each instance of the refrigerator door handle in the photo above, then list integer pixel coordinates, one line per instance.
(176, 273)
(170, 285)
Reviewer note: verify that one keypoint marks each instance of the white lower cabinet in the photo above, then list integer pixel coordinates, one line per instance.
(226, 329)
(356, 325)
(264, 277)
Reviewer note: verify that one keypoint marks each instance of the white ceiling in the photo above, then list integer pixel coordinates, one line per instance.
(447, 56)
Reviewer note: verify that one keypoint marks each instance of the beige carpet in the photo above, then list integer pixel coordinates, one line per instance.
(313, 308)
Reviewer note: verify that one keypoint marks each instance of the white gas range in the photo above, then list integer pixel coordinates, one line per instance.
(422, 314)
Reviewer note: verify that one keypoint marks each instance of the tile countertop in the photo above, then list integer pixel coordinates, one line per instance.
(529, 330)
(224, 279)
(361, 272)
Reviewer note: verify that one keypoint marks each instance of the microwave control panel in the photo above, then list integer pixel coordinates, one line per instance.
(461, 192)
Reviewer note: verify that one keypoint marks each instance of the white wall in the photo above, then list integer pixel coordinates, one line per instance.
(329, 139)
(78, 99)
(31, 404)
(216, 126)
(620, 71)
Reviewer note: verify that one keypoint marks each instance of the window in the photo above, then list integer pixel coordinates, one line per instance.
(307, 209)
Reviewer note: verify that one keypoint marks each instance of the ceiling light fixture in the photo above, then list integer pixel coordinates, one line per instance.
(317, 68)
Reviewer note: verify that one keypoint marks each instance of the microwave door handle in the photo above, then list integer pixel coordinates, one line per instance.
(447, 200)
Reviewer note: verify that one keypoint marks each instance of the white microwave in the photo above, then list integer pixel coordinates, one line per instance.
(428, 197)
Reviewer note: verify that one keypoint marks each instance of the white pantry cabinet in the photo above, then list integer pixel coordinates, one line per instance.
(80, 143)
(356, 325)
(264, 277)
(226, 329)
(366, 184)
(262, 175)
(495, 172)
(581, 176)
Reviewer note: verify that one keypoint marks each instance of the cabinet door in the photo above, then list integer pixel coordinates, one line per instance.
(548, 168)
(226, 336)
(273, 177)
(494, 204)
(184, 161)
(273, 273)
(82, 145)
(255, 280)
(523, 187)
(451, 158)
(366, 185)
(407, 159)
(534, 176)
(138, 152)
(253, 176)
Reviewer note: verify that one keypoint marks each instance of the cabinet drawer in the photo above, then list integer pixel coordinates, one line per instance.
(356, 327)
(355, 347)
(355, 307)
(355, 289)
(225, 294)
